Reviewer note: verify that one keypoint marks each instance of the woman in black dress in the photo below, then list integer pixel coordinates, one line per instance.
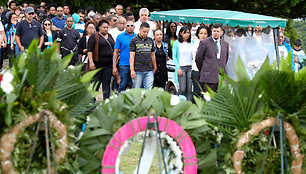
(161, 54)
(100, 55)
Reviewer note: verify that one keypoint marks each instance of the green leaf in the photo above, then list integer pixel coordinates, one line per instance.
(208, 162)
(96, 133)
(86, 78)
(241, 70)
(178, 109)
(191, 124)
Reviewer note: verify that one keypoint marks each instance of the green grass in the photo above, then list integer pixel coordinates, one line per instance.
(129, 161)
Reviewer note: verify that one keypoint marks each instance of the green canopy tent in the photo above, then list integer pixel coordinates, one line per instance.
(232, 18)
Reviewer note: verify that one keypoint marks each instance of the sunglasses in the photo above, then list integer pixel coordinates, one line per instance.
(59, 10)
(115, 20)
(130, 25)
(31, 13)
(47, 24)
(112, 12)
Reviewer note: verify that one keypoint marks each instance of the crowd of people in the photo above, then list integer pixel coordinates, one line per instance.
(126, 46)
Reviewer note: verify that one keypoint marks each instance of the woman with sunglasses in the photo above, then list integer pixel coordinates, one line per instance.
(90, 28)
(49, 35)
(171, 36)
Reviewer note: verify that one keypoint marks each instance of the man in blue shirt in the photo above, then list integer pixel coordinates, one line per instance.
(59, 20)
(122, 46)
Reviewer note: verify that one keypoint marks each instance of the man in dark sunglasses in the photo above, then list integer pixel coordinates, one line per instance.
(122, 46)
(112, 21)
(59, 20)
(29, 29)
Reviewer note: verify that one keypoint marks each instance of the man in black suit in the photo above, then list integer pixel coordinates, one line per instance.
(212, 53)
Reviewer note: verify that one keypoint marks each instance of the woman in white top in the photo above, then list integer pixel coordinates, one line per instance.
(202, 33)
(182, 54)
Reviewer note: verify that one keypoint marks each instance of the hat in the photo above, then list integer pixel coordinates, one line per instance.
(29, 10)
(40, 14)
(91, 14)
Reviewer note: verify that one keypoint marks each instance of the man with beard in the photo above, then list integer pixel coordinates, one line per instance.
(68, 40)
(59, 20)
(122, 46)
(29, 29)
(212, 53)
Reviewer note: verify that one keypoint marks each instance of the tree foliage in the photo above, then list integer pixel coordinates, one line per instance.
(300, 27)
(280, 8)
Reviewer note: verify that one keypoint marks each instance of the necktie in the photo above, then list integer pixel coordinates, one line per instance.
(217, 46)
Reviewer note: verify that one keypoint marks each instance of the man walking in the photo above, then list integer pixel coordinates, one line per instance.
(142, 58)
(119, 29)
(68, 40)
(29, 29)
(144, 17)
(212, 53)
(122, 46)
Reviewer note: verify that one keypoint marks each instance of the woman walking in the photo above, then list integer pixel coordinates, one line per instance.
(100, 55)
(90, 28)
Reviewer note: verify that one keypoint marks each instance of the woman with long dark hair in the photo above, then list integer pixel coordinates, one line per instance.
(49, 35)
(90, 28)
(171, 36)
(100, 55)
(10, 29)
(182, 54)
(161, 54)
(202, 33)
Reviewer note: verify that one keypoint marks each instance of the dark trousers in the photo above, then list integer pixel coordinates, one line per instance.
(213, 86)
(74, 60)
(104, 77)
(10, 54)
(197, 89)
(1, 57)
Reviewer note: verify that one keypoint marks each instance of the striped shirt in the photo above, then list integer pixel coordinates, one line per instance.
(143, 49)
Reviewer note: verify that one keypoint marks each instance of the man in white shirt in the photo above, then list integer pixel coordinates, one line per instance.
(119, 29)
(144, 17)
(283, 52)
(119, 10)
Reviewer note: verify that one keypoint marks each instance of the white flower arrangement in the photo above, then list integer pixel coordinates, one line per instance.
(171, 149)
(6, 82)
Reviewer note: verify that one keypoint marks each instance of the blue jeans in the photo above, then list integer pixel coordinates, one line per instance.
(125, 77)
(185, 82)
(144, 79)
